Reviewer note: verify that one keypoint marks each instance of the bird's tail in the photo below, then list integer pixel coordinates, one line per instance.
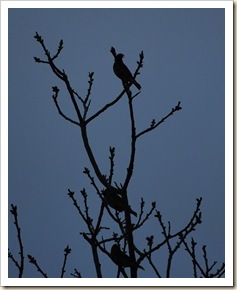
(136, 84)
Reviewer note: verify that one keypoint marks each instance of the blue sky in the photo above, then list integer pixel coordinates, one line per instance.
(183, 159)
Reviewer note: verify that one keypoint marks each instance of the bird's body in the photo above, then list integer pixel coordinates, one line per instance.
(121, 259)
(114, 200)
(122, 72)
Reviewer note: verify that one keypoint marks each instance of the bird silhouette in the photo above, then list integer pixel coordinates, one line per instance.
(121, 259)
(113, 199)
(122, 72)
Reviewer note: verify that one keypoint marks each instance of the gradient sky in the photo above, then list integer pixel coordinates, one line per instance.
(180, 161)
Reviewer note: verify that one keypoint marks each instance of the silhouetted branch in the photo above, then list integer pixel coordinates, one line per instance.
(90, 237)
(141, 222)
(181, 235)
(150, 241)
(111, 158)
(98, 227)
(77, 274)
(88, 218)
(139, 64)
(19, 265)
(121, 270)
(10, 255)
(71, 195)
(155, 124)
(133, 142)
(193, 254)
(208, 268)
(55, 98)
(60, 74)
(206, 273)
(90, 154)
(60, 47)
(67, 251)
(103, 109)
(173, 241)
(93, 243)
(220, 272)
(33, 261)
(86, 102)
(91, 80)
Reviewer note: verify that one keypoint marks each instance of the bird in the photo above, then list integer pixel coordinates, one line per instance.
(122, 71)
(113, 199)
(121, 259)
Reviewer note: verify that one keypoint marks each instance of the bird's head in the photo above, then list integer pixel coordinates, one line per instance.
(111, 191)
(119, 56)
(115, 250)
(105, 192)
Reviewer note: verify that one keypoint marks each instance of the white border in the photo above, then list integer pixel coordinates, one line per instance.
(116, 4)
(4, 144)
(228, 281)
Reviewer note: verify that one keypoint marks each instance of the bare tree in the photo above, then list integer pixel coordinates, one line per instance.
(121, 246)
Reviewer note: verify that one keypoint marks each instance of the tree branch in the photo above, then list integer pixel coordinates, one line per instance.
(155, 124)
(67, 251)
(19, 265)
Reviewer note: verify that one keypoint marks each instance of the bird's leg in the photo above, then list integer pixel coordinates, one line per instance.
(126, 85)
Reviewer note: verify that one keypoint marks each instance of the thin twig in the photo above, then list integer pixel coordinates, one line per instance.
(77, 274)
(67, 251)
(155, 124)
(19, 265)
(55, 99)
(33, 261)
(111, 158)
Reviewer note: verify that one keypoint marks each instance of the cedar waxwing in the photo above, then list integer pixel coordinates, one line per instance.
(121, 259)
(122, 72)
(114, 200)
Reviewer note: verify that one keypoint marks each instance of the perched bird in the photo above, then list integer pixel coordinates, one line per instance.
(114, 200)
(121, 259)
(122, 72)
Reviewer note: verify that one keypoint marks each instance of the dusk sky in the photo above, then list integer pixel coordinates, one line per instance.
(183, 159)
